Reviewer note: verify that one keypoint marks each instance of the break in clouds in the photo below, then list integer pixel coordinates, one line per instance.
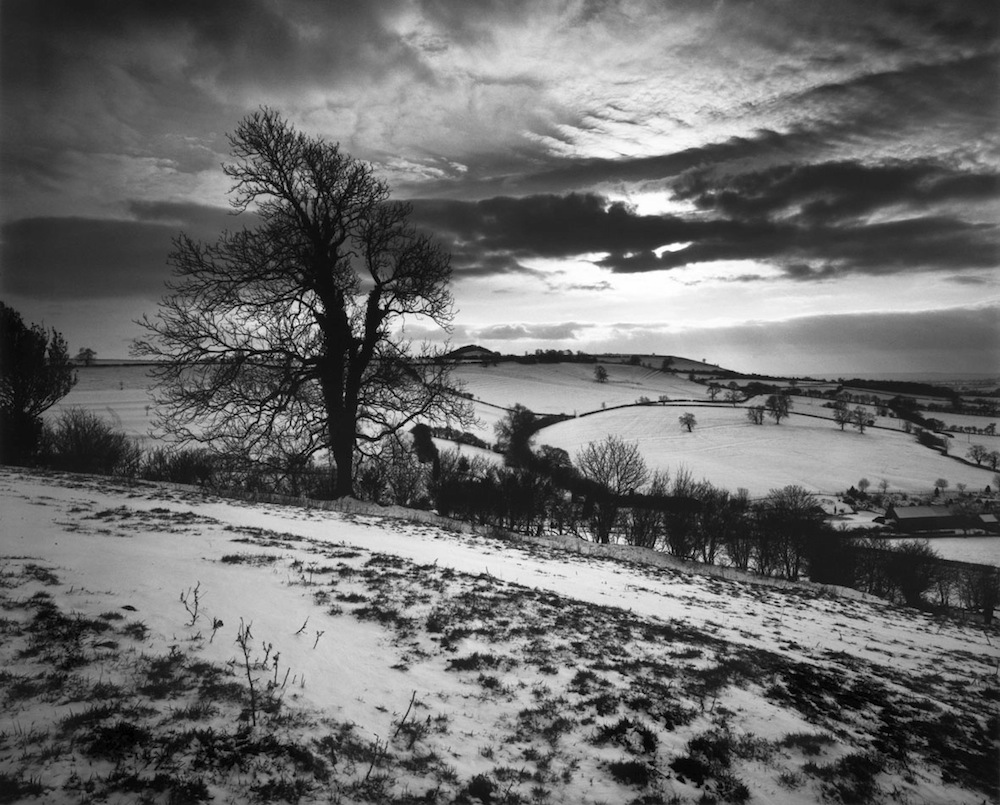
(812, 221)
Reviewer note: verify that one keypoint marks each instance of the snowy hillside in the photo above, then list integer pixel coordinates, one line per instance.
(731, 452)
(162, 645)
(565, 388)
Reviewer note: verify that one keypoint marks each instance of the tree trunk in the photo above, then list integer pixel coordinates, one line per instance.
(342, 450)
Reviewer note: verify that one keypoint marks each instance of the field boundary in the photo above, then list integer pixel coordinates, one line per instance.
(628, 554)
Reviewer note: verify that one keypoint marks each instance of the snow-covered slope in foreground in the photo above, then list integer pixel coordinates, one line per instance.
(391, 661)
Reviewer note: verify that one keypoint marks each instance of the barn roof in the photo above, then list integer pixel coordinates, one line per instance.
(919, 512)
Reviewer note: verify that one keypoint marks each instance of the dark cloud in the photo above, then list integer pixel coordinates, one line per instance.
(574, 174)
(196, 220)
(490, 235)
(548, 225)
(960, 21)
(88, 258)
(239, 42)
(832, 191)
(73, 258)
(469, 263)
(808, 252)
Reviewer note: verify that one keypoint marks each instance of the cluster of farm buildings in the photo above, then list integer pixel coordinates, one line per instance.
(938, 520)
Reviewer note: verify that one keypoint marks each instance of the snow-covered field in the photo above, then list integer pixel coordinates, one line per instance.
(120, 394)
(392, 661)
(728, 450)
(569, 388)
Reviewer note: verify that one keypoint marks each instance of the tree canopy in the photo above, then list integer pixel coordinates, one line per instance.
(35, 373)
(285, 340)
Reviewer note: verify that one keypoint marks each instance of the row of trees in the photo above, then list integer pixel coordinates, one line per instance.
(980, 453)
(777, 406)
(607, 494)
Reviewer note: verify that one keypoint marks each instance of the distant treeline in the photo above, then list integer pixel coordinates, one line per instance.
(907, 387)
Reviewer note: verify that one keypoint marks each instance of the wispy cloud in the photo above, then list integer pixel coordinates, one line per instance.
(560, 331)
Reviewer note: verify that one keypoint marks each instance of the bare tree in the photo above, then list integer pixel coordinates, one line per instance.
(284, 339)
(600, 374)
(644, 524)
(977, 453)
(755, 413)
(778, 406)
(618, 468)
(859, 417)
(687, 420)
(841, 414)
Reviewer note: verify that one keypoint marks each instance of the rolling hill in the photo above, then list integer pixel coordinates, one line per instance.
(160, 644)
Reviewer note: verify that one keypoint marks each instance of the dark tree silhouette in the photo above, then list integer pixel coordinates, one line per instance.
(617, 468)
(688, 421)
(86, 356)
(514, 432)
(283, 340)
(977, 453)
(600, 374)
(35, 373)
(841, 414)
(778, 406)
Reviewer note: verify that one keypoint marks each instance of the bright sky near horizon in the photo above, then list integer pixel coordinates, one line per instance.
(774, 186)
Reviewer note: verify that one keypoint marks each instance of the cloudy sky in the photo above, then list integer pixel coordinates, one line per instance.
(774, 185)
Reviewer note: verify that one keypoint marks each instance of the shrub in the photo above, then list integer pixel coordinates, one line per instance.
(35, 373)
(178, 466)
(80, 441)
(912, 568)
(630, 772)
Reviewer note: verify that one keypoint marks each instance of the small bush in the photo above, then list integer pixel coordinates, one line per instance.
(12, 788)
(810, 744)
(80, 441)
(852, 778)
(474, 662)
(179, 466)
(114, 741)
(630, 734)
(630, 772)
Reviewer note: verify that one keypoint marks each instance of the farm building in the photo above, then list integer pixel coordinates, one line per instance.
(918, 519)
